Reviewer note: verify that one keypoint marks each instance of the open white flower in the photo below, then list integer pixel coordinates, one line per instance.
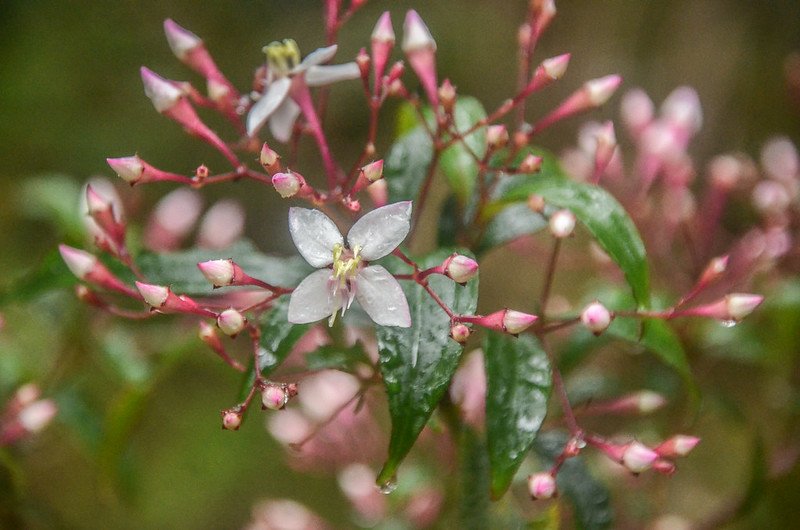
(345, 275)
(283, 62)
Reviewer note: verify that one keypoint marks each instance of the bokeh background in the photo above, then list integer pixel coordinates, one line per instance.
(70, 96)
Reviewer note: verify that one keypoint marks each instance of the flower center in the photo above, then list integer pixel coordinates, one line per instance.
(282, 57)
(345, 263)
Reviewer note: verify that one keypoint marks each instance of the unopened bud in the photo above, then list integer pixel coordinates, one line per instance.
(267, 157)
(130, 168)
(530, 164)
(220, 272)
(37, 415)
(770, 196)
(637, 110)
(648, 401)
(596, 317)
(460, 333)
(232, 418)
(162, 93)
(460, 268)
(447, 95)
(373, 171)
(555, 67)
(274, 397)
(154, 295)
(416, 35)
(516, 322)
(363, 62)
(287, 184)
(682, 109)
(678, 445)
(600, 90)
(638, 457)
(725, 171)
(665, 467)
(606, 145)
(181, 41)
(383, 31)
(740, 305)
(562, 223)
(541, 486)
(536, 203)
(715, 268)
(231, 322)
(497, 136)
(79, 262)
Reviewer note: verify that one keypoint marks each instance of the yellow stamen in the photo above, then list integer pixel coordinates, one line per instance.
(282, 57)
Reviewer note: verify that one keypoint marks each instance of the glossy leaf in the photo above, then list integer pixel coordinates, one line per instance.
(518, 387)
(603, 216)
(589, 497)
(458, 161)
(179, 269)
(474, 482)
(338, 358)
(417, 363)
(407, 164)
(515, 220)
(278, 337)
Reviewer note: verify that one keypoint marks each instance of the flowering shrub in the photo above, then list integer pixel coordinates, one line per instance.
(380, 320)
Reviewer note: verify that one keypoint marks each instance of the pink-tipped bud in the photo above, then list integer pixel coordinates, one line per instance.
(542, 486)
(600, 90)
(665, 467)
(373, 171)
(516, 322)
(129, 168)
(209, 335)
(638, 457)
(556, 67)
(231, 322)
(220, 272)
(596, 317)
(154, 295)
(383, 32)
(678, 445)
(162, 93)
(725, 171)
(363, 62)
(416, 35)
(181, 41)
(269, 159)
(36, 416)
(780, 159)
(287, 184)
(530, 164)
(383, 39)
(771, 197)
(637, 110)
(497, 136)
(606, 145)
(218, 91)
(447, 96)
(460, 268)
(647, 401)
(682, 110)
(459, 333)
(740, 305)
(715, 268)
(232, 418)
(562, 223)
(274, 397)
(544, 11)
(536, 203)
(79, 262)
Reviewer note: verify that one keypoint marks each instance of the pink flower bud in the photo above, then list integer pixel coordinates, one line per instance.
(420, 48)
(648, 401)
(79, 262)
(682, 110)
(382, 43)
(232, 418)
(460, 268)
(600, 90)
(740, 305)
(220, 272)
(678, 445)
(231, 322)
(416, 35)
(780, 159)
(36, 416)
(269, 159)
(383, 32)
(536, 203)
(154, 295)
(715, 268)
(665, 467)
(556, 67)
(725, 171)
(274, 397)
(208, 334)
(447, 95)
(530, 164)
(562, 223)
(373, 171)
(516, 322)
(541, 486)
(181, 41)
(497, 136)
(459, 333)
(638, 457)
(771, 197)
(637, 111)
(287, 184)
(222, 225)
(606, 145)
(130, 168)
(162, 93)
(596, 317)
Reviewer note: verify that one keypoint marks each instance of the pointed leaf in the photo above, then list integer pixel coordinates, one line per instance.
(417, 363)
(407, 163)
(458, 161)
(518, 387)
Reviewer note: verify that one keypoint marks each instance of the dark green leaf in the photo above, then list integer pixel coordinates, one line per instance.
(338, 358)
(589, 498)
(513, 221)
(278, 337)
(417, 363)
(474, 483)
(518, 387)
(407, 164)
(179, 269)
(50, 274)
(602, 215)
(458, 161)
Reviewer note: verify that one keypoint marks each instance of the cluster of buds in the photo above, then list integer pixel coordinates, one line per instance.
(25, 414)
(637, 457)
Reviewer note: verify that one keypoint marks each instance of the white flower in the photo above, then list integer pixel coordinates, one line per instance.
(328, 290)
(283, 60)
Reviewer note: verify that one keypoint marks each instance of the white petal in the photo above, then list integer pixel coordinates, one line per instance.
(381, 230)
(325, 75)
(311, 300)
(381, 297)
(318, 56)
(314, 235)
(282, 121)
(271, 99)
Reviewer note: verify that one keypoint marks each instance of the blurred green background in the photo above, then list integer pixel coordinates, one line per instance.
(71, 96)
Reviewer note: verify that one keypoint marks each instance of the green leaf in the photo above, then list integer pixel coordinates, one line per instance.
(278, 337)
(515, 220)
(337, 358)
(50, 274)
(589, 498)
(457, 161)
(603, 216)
(518, 387)
(407, 164)
(55, 199)
(417, 363)
(179, 269)
(474, 466)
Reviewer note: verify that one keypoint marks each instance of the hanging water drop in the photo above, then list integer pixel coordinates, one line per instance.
(389, 486)
(728, 323)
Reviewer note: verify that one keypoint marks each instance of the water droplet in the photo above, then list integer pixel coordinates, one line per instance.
(389, 486)
(728, 323)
